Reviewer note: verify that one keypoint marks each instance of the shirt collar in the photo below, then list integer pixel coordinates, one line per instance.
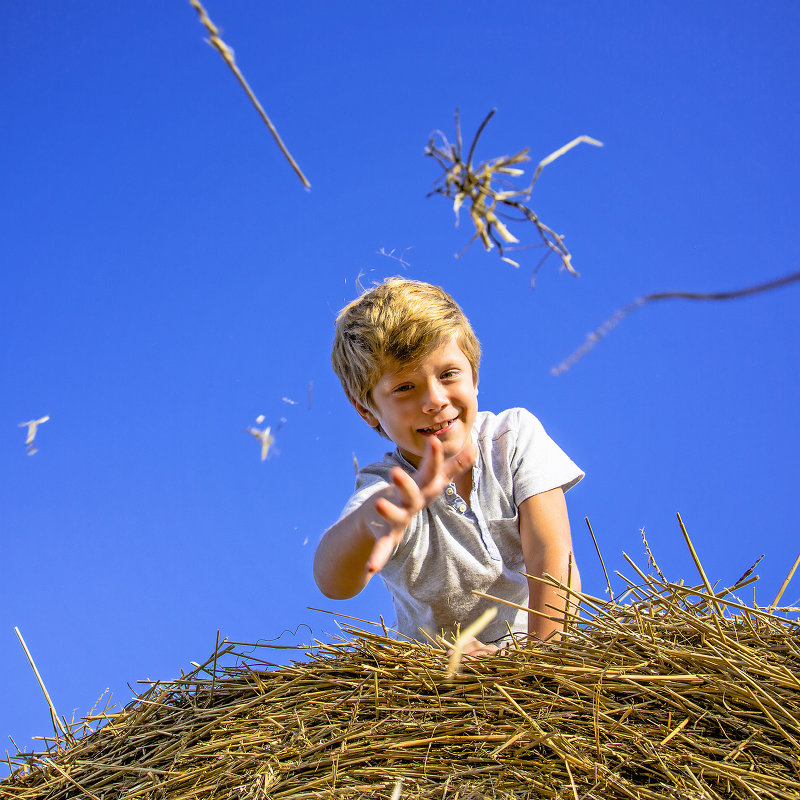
(397, 456)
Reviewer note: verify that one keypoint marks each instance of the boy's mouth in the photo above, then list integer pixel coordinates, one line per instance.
(438, 428)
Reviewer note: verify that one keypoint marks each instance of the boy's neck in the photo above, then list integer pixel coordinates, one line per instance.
(464, 486)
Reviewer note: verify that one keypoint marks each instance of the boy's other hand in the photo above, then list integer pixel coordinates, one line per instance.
(413, 492)
(474, 649)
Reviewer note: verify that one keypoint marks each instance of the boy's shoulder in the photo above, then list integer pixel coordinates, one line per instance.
(374, 476)
(491, 425)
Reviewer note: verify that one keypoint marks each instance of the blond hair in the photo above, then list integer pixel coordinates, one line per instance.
(397, 322)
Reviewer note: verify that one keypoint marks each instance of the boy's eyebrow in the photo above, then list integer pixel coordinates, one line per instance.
(398, 372)
(410, 371)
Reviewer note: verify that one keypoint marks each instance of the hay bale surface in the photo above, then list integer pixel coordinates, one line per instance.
(678, 693)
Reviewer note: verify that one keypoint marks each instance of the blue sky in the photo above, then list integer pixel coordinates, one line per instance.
(167, 279)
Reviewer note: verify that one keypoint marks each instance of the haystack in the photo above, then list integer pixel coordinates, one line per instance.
(669, 691)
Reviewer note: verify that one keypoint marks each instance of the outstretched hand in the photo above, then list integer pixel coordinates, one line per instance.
(414, 492)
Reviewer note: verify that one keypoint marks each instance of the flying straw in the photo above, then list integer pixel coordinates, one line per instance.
(264, 435)
(32, 426)
(603, 330)
(489, 195)
(227, 54)
(465, 637)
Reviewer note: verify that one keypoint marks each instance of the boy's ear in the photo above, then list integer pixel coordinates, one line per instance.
(367, 415)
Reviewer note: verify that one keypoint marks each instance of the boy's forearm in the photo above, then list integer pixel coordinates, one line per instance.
(547, 599)
(340, 563)
(546, 544)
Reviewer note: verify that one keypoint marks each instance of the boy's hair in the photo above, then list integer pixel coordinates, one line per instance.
(397, 322)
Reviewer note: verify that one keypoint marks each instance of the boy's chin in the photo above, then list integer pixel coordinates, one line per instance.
(452, 444)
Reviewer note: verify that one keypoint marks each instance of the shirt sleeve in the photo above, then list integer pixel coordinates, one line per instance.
(538, 464)
(372, 479)
(367, 483)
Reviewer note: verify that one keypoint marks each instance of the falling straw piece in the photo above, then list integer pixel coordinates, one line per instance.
(488, 195)
(560, 152)
(32, 425)
(465, 637)
(227, 54)
(603, 330)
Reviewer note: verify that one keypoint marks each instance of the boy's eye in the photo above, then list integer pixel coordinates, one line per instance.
(404, 387)
(451, 373)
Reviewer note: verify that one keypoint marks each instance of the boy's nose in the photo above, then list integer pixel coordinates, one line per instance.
(435, 398)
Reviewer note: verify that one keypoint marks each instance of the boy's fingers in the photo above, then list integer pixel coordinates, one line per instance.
(431, 463)
(434, 472)
(395, 515)
(408, 489)
(476, 648)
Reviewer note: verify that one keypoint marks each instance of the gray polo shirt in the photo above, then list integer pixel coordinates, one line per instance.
(451, 548)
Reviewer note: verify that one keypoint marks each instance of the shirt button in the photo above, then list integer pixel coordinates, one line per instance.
(462, 507)
(449, 491)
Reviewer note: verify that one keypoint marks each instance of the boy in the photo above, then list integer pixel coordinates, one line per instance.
(467, 501)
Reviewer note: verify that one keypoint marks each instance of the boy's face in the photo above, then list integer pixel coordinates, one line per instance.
(435, 397)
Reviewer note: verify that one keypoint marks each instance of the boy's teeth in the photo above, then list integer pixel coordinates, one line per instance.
(434, 428)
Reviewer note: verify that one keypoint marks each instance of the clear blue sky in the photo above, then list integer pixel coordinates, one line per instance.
(166, 279)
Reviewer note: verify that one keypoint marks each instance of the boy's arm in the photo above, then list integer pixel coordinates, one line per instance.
(360, 544)
(546, 545)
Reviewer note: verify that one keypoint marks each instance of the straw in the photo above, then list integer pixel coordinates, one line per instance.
(465, 637)
(662, 696)
(778, 596)
(227, 55)
(602, 563)
(489, 195)
(603, 330)
(57, 726)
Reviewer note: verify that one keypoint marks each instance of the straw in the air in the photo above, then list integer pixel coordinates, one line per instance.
(491, 197)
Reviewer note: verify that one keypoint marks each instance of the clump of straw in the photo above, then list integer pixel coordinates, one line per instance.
(491, 197)
(667, 691)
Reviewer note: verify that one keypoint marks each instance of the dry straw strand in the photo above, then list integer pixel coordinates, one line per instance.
(465, 637)
(227, 54)
(778, 596)
(57, 725)
(33, 425)
(603, 330)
